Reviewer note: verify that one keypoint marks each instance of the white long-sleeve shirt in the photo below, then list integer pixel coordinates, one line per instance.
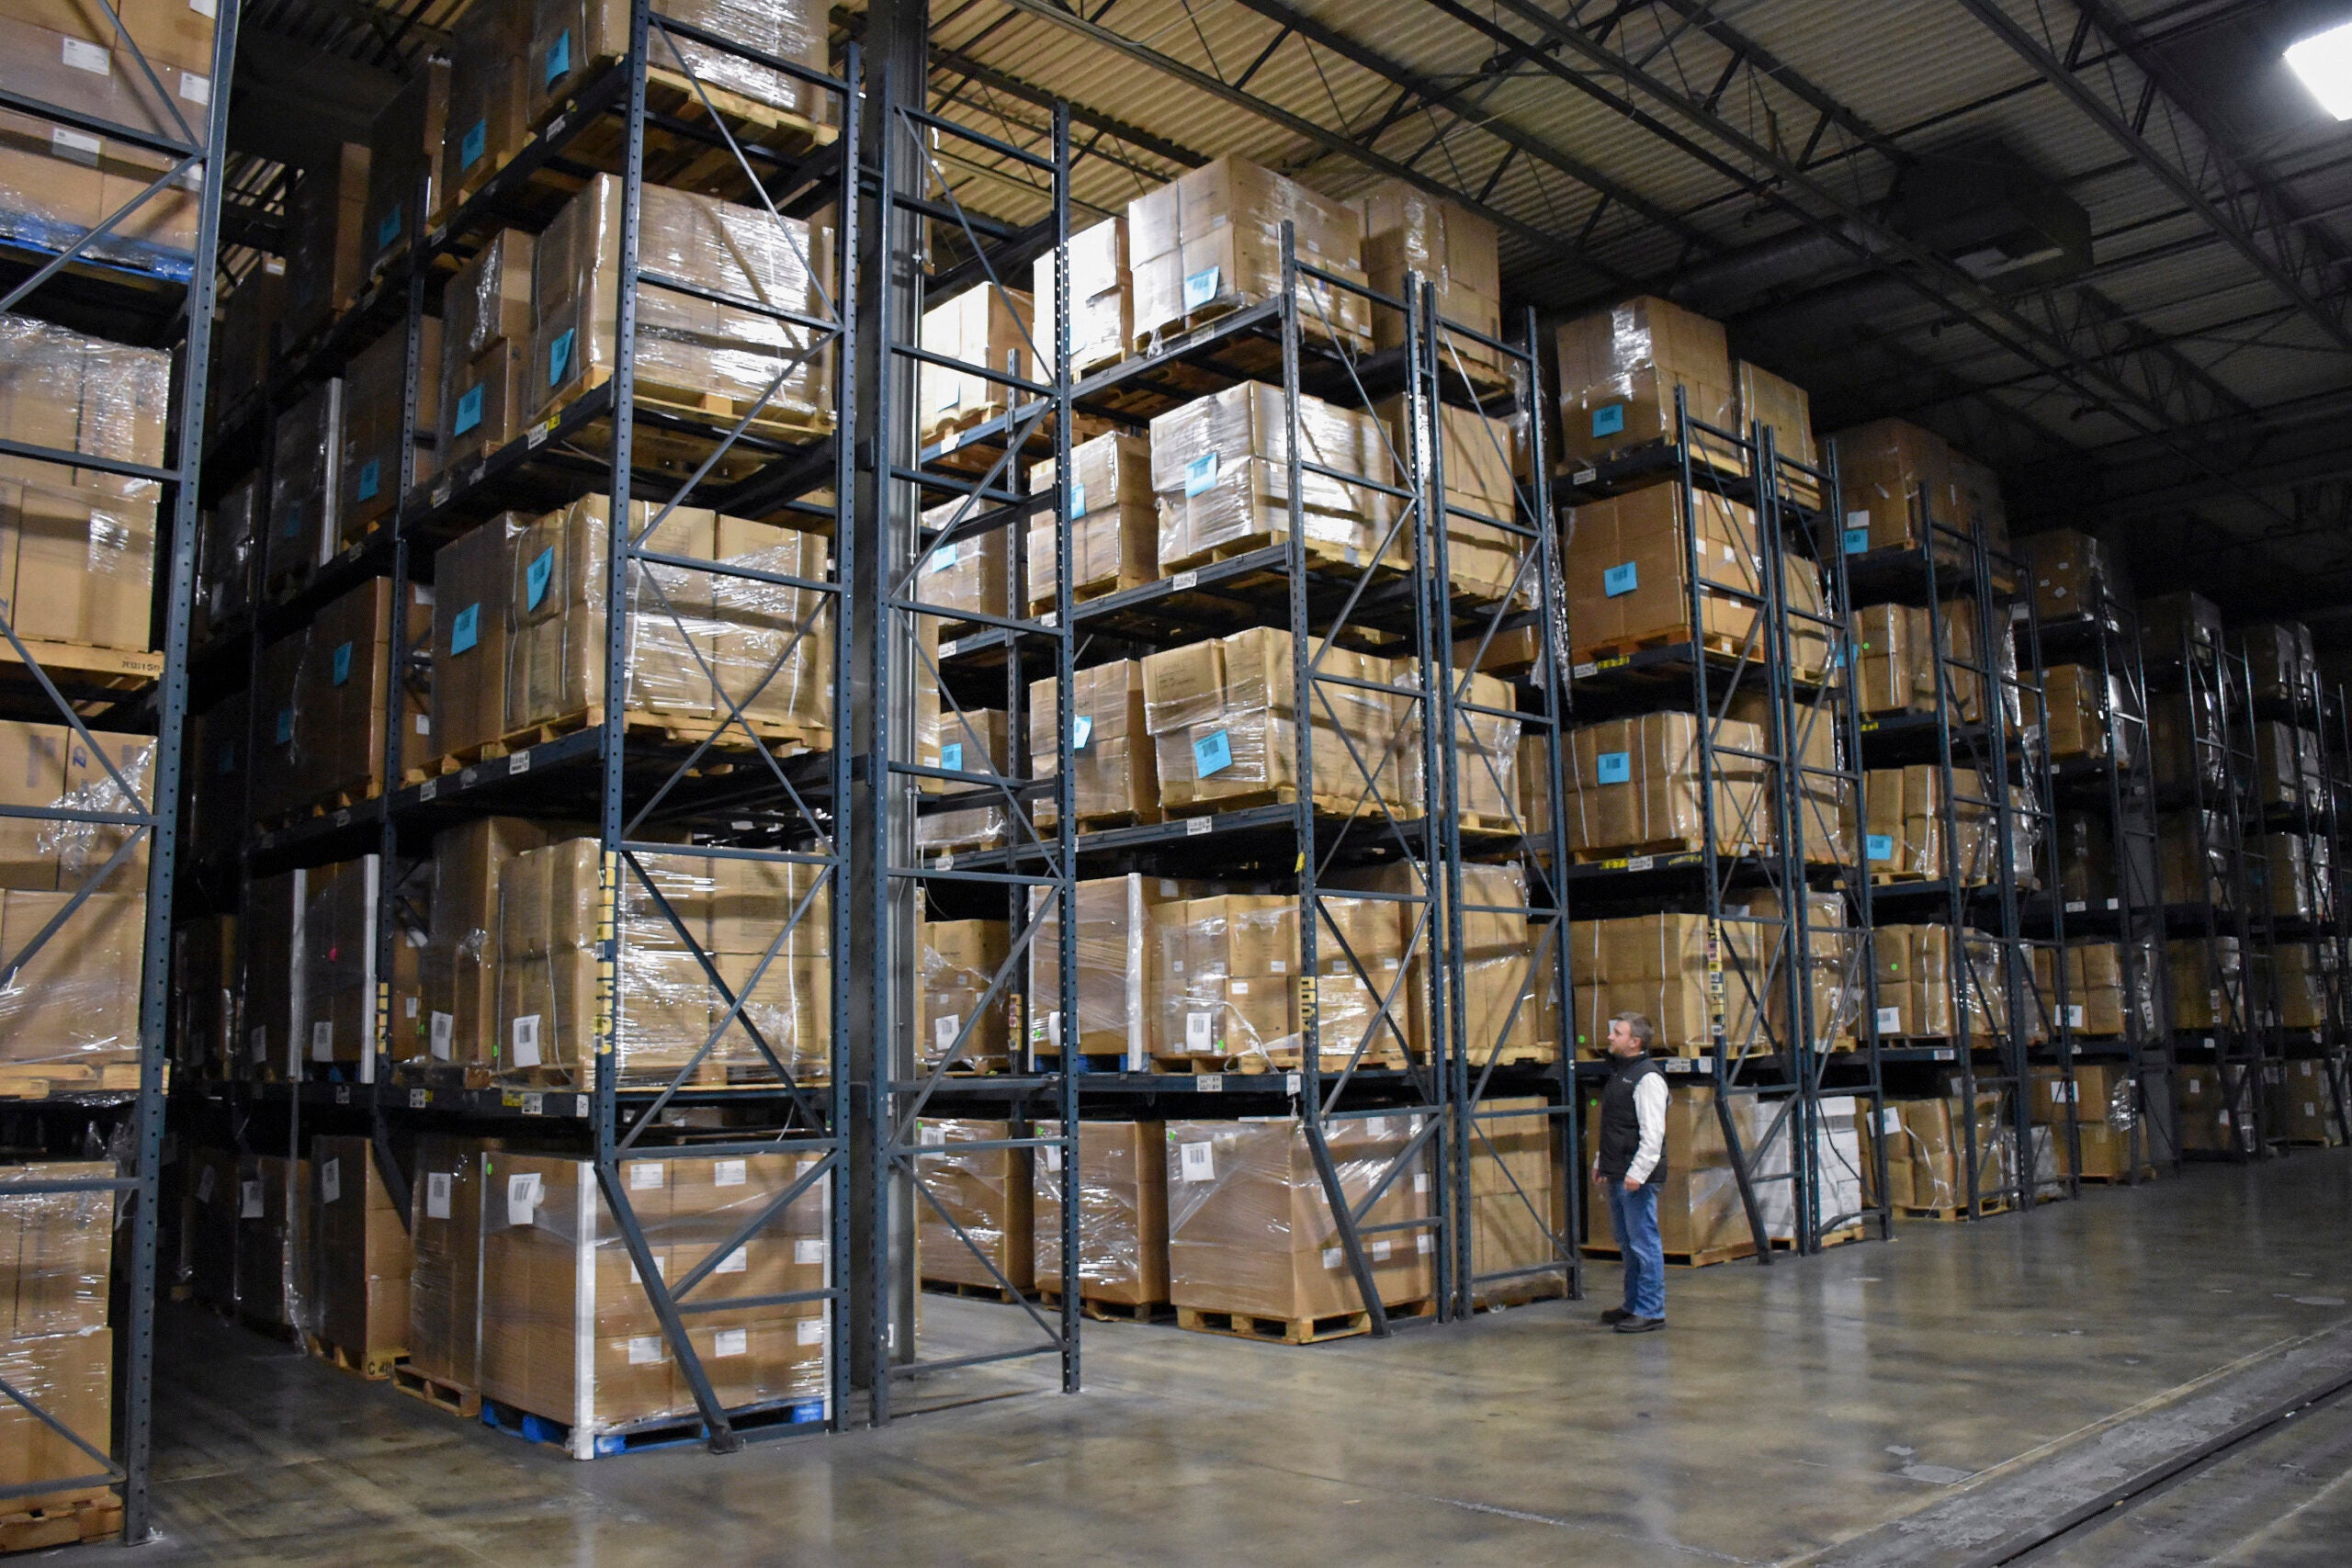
(1649, 1107)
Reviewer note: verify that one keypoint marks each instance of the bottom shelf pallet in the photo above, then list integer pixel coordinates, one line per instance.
(1728, 1252)
(454, 1398)
(665, 1432)
(1107, 1312)
(373, 1365)
(990, 1292)
(1294, 1330)
(1983, 1208)
(94, 1515)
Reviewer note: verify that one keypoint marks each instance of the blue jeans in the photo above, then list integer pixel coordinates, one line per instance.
(1633, 1216)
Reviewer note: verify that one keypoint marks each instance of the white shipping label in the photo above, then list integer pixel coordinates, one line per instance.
(645, 1350)
(524, 1192)
(811, 1331)
(729, 1173)
(1238, 988)
(1375, 1127)
(943, 1032)
(732, 1342)
(1053, 1153)
(445, 1034)
(83, 55)
(1425, 1242)
(736, 1262)
(1890, 1021)
(807, 1250)
(645, 1176)
(1197, 1026)
(1379, 1250)
(1420, 1182)
(261, 1043)
(204, 1182)
(1279, 966)
(1196, 1162)
(1333, 1258)
(205, 8)
(934, 1138)
(1890, 1123)
(249, 1201)
(74, 146)
(331, 1181)
(196, 89)
(2074, 1015)
(525, 1047)
(436, 1195)
(323, 1041)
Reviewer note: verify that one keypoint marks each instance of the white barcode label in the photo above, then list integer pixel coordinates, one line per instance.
(2074, 1015)
(731, 1342)
(933, 1138)
(331, 1181)
(74, 146)
(1184, 579)
(249, 1206)
(323, 1041)
(523, 1193)
(83, 55)
(1053, 1153)
(1890, 1021)
(526, 1041)
(1196, 1162)
(196, 89)
(807, 1250)
(645, 1350)
(1381, 1250)
(810, 1331)
(645, 1176)
(1890, 1123)
(520, 762)
(1334, 1257)
(436, 1195)
(1210, 1083)
(736, 1262)
(445, 1032)
(729, 1173)
(943, 1032)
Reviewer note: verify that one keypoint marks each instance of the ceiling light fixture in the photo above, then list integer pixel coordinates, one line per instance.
(2324, 61)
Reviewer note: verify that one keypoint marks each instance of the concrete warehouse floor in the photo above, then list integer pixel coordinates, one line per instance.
(1888, 1404)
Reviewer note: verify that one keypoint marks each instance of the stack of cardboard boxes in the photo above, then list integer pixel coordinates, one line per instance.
(1660, 966)
(984, 326)
(1699, 1208)
(1113, 522)
(1220, 475)
(1101, 300)
(59, 1350)
(1210, 243)
(1115, 765)
(2207, 983)
(1896, 478)
(484, 393)
(1128, 949)
(1936, 983)
(2104, 1099)
(2300, 1103)
(1518, 1202)
(1927, 1145)
(1619, 369)
(979, 1227)
(1122, 1182)
(1636, 784)
(2096, 1005)
(1408, 232)
(966, 1015)
(2071, 575)
(365, 1256)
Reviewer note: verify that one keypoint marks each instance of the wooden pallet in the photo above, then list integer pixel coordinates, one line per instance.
(1896, 878)
(2118, 1178)
(44, 1080)
(63, 1520)
(1107, 1312)
(1311, 325)
(1321, 553)
(1092, 589)
(1609, 654)
(1481, 822)
(970, 1292)
(1839, 1237)
(682, 452)
(1691, 845)
(1293, 1330)
(81, 664)
(1983, 1208)
(327, 804)
(937, 430)
(456, 1399)
(1285, 795)
(1730, 1252)
(1504, 1294)
(1731, 464)
(374, 1366)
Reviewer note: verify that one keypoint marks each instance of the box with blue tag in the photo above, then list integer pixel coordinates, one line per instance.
(1635, 784)
(1781, 407)
(1619, 371)
(573, 41)
(305, 489)
(971, 740)
(1408, 232)
(473, 622)
(983, 326)
(1893, 476)
(1220, 471)
(1629, 564)
(974, 572)
(343, 691)
(1125, 976)
(1114, 526)
(404, 162)
(229, 535)
(332, 1020)
(1116, 778)
(1904, 832)
(327, 243)
(488, 115)
(480, 398)
(961, 1017)
(773, 654)
(374, 392)
(1210, 243)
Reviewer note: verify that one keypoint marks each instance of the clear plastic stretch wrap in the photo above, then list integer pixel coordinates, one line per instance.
(1835, 994)
(375, 394)
(1891, 671)
(1699, 1209)
(482, 394)
(567, 1330)
(82, 849)
(1887, 470)
(1635, 782)
(1486, 751)
(973, 573)
(2290, 875)
(445, 1317)
(1250, 1231)
(2070, 569)
(1221, 714)
(69, 392)
(960, 959)
(1408, 232)
(462, 952)
(971, 740)
(1658, 965)
(225, 557)
(62, 189)
(2281, 661)
(1619, 369)
(2079, 701)
(2288, 770)
(985, 326)
(2193, 855)
(274, 1252)
(1115, 522)
(1101, 303)
(1210, 242)
(365, 1256)
(1220, 471)
(1228, 967)
(490, 99)
(1481, 457)
(571, 40)
(334, 981)
(1492, 978)
(1628, 569)
(989, 1197)
(70, 1011)
(1122, 1210)
(2185, 741)
(1125, 978)
(1116, 778)
(2170, 623)
(304, 486)
(59, 1353)
(2208, 978)
(687, 347)
(2095, 1005)
(2300, 971)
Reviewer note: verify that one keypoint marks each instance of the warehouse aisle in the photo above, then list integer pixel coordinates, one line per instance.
(1788, 1413)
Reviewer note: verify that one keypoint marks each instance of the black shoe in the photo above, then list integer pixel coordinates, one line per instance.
(1613, 1315)
(1641, 1325)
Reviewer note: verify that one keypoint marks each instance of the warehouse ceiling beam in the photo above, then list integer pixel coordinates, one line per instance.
(2234, 200)
(1775, 177)
(1092, 29)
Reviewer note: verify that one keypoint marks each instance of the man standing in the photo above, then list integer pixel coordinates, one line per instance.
(1630, 1166)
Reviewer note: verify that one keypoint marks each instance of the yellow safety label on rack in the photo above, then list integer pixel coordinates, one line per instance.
(383, 1013)
(1307, 1014)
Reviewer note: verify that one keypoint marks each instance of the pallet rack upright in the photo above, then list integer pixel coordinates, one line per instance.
(104, 283)
(772, 812)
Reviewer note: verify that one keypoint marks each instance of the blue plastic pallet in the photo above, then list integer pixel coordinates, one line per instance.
(685, 1431)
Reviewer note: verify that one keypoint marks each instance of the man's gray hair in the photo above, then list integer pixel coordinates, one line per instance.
(1637, 1026)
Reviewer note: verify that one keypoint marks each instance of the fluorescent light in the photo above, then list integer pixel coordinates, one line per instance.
(2323, 61)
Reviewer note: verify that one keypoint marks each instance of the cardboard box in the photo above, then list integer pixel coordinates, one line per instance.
(1699, 1209)
(1114, 524)
(972, 573)
(404, 163)
(274, 1253)
(334, 1018)
(986, 327)
(1130, 929)
(1892, 476)
(32, 772)
(328, 248)
(1101, 300)
(1619, 371)
(461, 954)
(70, 1007)
(59, 1247)
(1628, 570)
(1211, 242)
(472, 628)
(1114, 774)
(1122, 1182)
(365, 1255)
(489, 101)
(1635, 782)
(573, 40)
(1220, 471)
(1410, 233)
(2070, 574)
(1783, 408)
(375, 391)
(71, 1378)
(989, 1195)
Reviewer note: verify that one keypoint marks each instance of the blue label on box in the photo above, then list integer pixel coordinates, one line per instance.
(559, 357)
(1077, 499)
(1622, 580)
(292, 526)
(371, 477)
(1608, 421)
(342, 663)
(469, 412)
(1200, 474)
(1613, 767)
(1200, 288)
(1880, 846)
(388, 229)
(1212, 754)
(1081, 730)
(473, 144)
(537, 576)
(951, 756)
(285, 725)
(466, 629)
(559, 57)
(1858, 540)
